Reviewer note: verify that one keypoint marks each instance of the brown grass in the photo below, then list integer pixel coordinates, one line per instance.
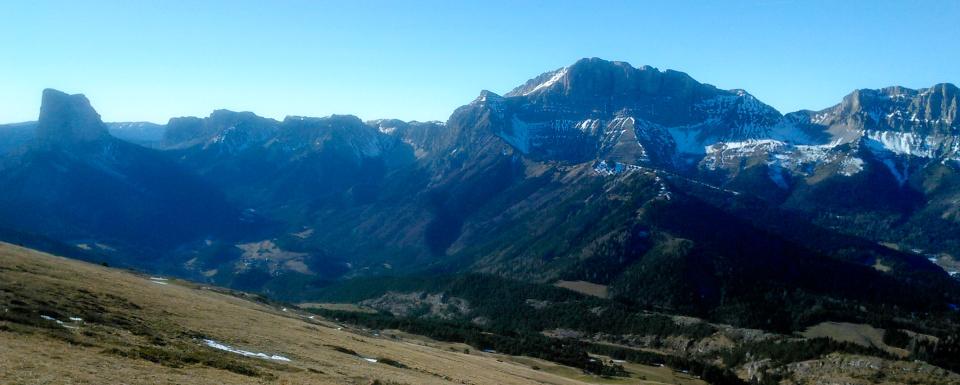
(337, 306)
(860, 334)
(588, 288)
(139, 332)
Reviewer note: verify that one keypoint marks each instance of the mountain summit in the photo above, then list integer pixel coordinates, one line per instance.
(68, 119)
(592, 78)
(599, 109)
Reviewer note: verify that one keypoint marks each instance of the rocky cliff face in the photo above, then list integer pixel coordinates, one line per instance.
(68, 120)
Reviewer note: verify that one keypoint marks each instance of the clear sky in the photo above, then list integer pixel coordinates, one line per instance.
(152, 60)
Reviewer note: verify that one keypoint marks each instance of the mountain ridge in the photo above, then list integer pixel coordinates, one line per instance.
(589, 173)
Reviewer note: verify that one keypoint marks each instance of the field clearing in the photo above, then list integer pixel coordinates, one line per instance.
(337, 307)
(860, 334)
(584, 287)
(639, 374)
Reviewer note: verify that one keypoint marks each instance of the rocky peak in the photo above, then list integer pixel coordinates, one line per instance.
(925, 111)
(224, 118)
(488, 97)
(345, 132)
(598, 79)
(68, 119)
(596, 108)
(222, 126)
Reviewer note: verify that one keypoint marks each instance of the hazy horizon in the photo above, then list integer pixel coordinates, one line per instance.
(151, 61)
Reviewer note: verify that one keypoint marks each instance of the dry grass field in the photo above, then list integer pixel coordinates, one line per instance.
(584, 287)
(336, 306)
(860, 334)
(69, 322)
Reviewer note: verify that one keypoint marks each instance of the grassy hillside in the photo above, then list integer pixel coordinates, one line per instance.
(66, 321)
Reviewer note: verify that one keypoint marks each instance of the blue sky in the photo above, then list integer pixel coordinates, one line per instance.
(152, 60)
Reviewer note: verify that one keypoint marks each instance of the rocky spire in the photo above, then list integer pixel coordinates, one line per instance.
(68, 119)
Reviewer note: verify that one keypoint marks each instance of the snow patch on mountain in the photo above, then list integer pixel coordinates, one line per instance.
(746, 147)
(518, 135)
(719, 154)
(386, 128)
(905, 143)
(781, 157)
(613, 168)
(850, 166)
(590, 126)
(553, 80)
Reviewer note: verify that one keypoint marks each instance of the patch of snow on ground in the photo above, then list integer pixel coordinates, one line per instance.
(850, 166)
(604, 168)
(731, 153)
(904, 143)
(386, 129)
(227, 348)
(813, 154)
(59, 322)
(744, 147)
(663, 191)
(589, 126)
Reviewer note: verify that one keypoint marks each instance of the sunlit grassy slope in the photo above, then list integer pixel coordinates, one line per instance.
(64, 321)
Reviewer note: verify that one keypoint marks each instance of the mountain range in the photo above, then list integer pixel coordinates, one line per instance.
(672, 193)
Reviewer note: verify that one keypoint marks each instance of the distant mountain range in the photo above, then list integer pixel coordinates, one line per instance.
(673, 193)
